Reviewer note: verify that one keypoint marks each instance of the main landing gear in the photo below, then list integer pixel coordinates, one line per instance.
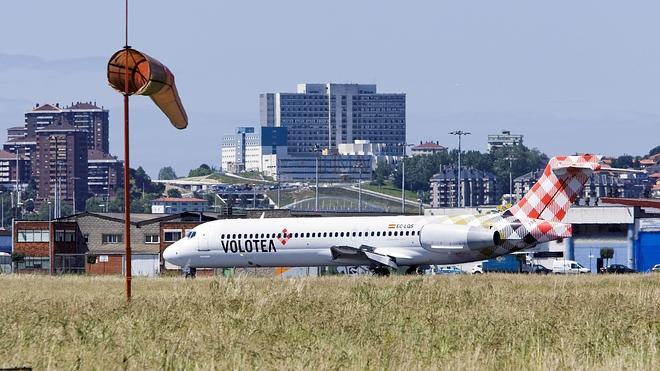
(381, 271)
(414, 269)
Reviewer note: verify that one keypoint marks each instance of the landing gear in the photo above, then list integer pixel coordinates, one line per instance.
(189, 272)
(414, 269)
(381, 271)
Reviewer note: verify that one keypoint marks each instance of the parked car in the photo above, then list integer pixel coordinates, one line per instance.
(618, 269)
(540, 269)
(477, 269)
(656, 268)
(561, 266)
(450, 270)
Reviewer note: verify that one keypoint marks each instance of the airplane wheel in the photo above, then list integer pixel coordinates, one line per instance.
(414, 269)
(381, 272)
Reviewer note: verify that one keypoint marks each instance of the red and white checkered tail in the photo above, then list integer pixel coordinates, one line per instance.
(554, 193)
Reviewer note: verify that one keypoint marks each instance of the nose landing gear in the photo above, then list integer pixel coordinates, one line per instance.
(189, 272)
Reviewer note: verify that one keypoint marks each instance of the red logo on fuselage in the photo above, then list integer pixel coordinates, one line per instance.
(285, 237)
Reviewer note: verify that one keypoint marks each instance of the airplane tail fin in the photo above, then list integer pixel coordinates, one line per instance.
(553, 194)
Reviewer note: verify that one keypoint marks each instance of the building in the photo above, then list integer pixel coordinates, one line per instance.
(331, 168)
(171, 205)
(25, 147)
(504, 139)
(427, 148)
(244, 150)
(627, 185)
(105, 173)
(327, 115)
(93, 120)
(60, 164)
(94, 242)
(477, 188)
(13, 170)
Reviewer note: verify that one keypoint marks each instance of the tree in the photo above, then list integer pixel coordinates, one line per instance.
(624, 162)
(654, 151)
(607, 253)
(382, 173)
(174, 192)
(202, 170)
(166, 173)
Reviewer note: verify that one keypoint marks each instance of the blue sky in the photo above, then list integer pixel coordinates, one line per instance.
(573, 76)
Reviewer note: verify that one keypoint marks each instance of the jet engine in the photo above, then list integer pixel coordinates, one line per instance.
(436, 237)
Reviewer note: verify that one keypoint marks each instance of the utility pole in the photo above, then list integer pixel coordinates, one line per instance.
(316, 157)
(359, 165)
(403, 177)
(510, 158)
(459, 133)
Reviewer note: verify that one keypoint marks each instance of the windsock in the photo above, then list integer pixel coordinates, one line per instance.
(147, 76)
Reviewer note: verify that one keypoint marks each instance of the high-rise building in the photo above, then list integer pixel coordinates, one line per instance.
(326, 115)
(92, 119)
(105, 173)
(245, 149)
(13, 167)
(477, 188)
(59, 165)
(504, 139)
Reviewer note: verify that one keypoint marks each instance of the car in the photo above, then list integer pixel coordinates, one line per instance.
(618, 269)
(656, 268)
(477, 269)
(561, 266)
(449, 270)
(540, 269)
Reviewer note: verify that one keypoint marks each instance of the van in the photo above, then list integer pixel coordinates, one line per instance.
(568, 267)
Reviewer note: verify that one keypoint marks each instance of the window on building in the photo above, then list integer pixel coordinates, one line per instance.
(172, 236)
(70, 236)
(112, 238)
(59, 236)
(152, 238)
(33, 235)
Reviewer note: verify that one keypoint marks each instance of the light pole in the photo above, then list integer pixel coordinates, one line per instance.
(74, 193)
(50, 242)
(459, 133)
(316, 157)
(403, 177)
(2, 210)
(510, 158)
(359, 165)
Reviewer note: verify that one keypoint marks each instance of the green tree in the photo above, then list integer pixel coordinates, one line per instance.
(202, 170)
(624, 162)
(166, 173)
(174, 192)
(654, 151)
(382, 173)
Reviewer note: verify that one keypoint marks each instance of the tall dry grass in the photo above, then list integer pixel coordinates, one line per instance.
(486, 322)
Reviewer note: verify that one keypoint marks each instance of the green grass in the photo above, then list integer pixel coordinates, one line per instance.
(390, 190)
(287, 197)
(495, 322)
(232, 180)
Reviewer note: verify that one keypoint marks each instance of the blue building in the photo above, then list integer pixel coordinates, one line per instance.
(244, 150)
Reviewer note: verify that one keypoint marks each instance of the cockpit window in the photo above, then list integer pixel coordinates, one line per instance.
(191, 234)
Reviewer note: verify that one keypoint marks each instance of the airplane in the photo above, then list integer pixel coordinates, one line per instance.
(385, 242)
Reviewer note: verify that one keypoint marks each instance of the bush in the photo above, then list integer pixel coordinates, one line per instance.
(91, 259)
(17, 257)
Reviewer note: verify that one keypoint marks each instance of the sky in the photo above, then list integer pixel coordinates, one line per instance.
(572, 76)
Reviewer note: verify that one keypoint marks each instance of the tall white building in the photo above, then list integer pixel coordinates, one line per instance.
(504, 139)
(326, 115)
(244, 150)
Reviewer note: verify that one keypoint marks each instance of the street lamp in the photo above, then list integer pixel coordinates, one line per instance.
(2, 210)
(403, 176)
(459, 133)
(316, 157)
(359, 166)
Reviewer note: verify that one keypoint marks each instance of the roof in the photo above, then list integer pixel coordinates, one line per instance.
(428, 145)
(177, 199)
(46, 107)
(138, 219)
(641, 202)
(655, 175)
(95, 154)
(84, 105)
(647, 161)
(4, 155)
(600, 215)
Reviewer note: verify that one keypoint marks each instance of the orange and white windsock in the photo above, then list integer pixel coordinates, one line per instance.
(147, 76)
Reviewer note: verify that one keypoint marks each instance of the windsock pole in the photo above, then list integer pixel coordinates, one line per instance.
(127, 171)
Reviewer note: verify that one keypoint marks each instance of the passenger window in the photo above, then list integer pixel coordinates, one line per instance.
(222, 236)
(233, 236)
(378, 233)
(389, 233)
(325, 234)
(295, 235)
(336, 234)
(290, 235)
(407, 233)
(360, 234)
(342, 234)
(372, 234)
(279, 235)
(354, 234)
(307, 234)
(313, 234)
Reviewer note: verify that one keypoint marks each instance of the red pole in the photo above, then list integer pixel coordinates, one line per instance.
(127, 174)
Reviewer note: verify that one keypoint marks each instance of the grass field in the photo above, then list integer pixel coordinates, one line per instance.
(487, 322)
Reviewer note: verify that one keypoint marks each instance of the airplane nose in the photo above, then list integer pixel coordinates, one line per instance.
(170, 254)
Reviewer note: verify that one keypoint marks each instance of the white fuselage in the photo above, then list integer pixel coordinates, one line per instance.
(299, 242)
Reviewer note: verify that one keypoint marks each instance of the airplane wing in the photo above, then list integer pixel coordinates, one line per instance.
(361, 255)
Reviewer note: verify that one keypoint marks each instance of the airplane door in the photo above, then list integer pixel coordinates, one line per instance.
(202, 241)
